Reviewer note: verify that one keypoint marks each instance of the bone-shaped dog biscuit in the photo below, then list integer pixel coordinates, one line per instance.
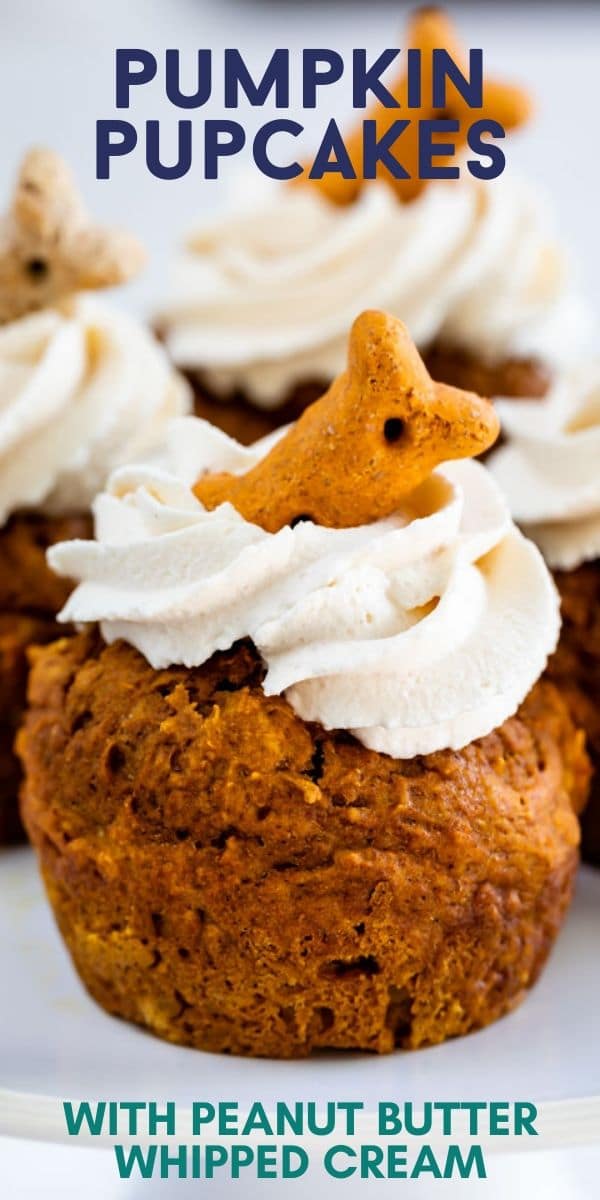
(355, 454)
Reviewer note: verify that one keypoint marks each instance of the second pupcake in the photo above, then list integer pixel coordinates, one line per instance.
(82, 388)
(262, 298)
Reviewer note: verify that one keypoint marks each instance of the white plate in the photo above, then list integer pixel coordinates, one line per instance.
(55, 1043)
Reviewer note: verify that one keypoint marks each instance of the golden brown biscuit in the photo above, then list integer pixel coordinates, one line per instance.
(49, 248)
(238, 880)
(429, 29)
(356, 453)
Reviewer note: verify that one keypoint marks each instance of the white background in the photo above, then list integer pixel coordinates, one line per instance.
(57, 79)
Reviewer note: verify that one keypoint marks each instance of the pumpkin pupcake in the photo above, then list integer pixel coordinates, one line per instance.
(262, 297)
(305, 789)
(549, 470)
(82, 388)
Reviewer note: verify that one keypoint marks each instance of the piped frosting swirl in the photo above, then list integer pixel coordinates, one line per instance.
(549, 468)
(420, 631)
(262, 298)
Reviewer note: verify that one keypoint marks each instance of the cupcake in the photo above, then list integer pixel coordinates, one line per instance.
(297, 784)
(82, 389)
(261, 299)
(550, 472)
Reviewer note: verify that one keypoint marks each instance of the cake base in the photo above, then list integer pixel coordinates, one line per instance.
(575, 668)
(240, 418)
(30, 597)
(513, 378)
(235, 879)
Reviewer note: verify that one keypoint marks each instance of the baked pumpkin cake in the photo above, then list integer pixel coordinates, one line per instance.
(550, 472)
(297, 785)
(262, 297)
(82, 389)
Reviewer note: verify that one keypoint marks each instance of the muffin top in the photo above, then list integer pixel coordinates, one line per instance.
(549, 468)
(82, 387)
(414, 614)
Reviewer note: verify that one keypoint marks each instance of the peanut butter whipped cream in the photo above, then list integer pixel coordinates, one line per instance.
(418, 632)
(261, 299)
(549, 468)
(82, 390)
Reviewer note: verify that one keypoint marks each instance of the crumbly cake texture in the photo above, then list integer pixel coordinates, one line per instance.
(515, 378)
(575, 668)
(30, 597)
(235, 879)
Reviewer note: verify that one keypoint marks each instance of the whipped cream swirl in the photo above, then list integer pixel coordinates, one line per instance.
(419, 632)
(262, 299)
(80, 393)
(549, 469)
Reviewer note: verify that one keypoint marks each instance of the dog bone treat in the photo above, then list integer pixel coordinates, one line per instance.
(429, 29)
(354, 455)
(83, 388)
(49, 247)
(549, 469)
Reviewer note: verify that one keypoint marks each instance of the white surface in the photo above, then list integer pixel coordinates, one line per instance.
(64, 1173)
(59, 1173)
(57, 80)
(55, 1042)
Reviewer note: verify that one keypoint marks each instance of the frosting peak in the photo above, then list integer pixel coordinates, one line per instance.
(421, 631)
(550, 468)
(262, 298)
(80, 393)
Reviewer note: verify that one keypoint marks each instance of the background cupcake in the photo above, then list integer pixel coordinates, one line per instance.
(262, 298)
(550, 472)
(317, 798)
(82, 389)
